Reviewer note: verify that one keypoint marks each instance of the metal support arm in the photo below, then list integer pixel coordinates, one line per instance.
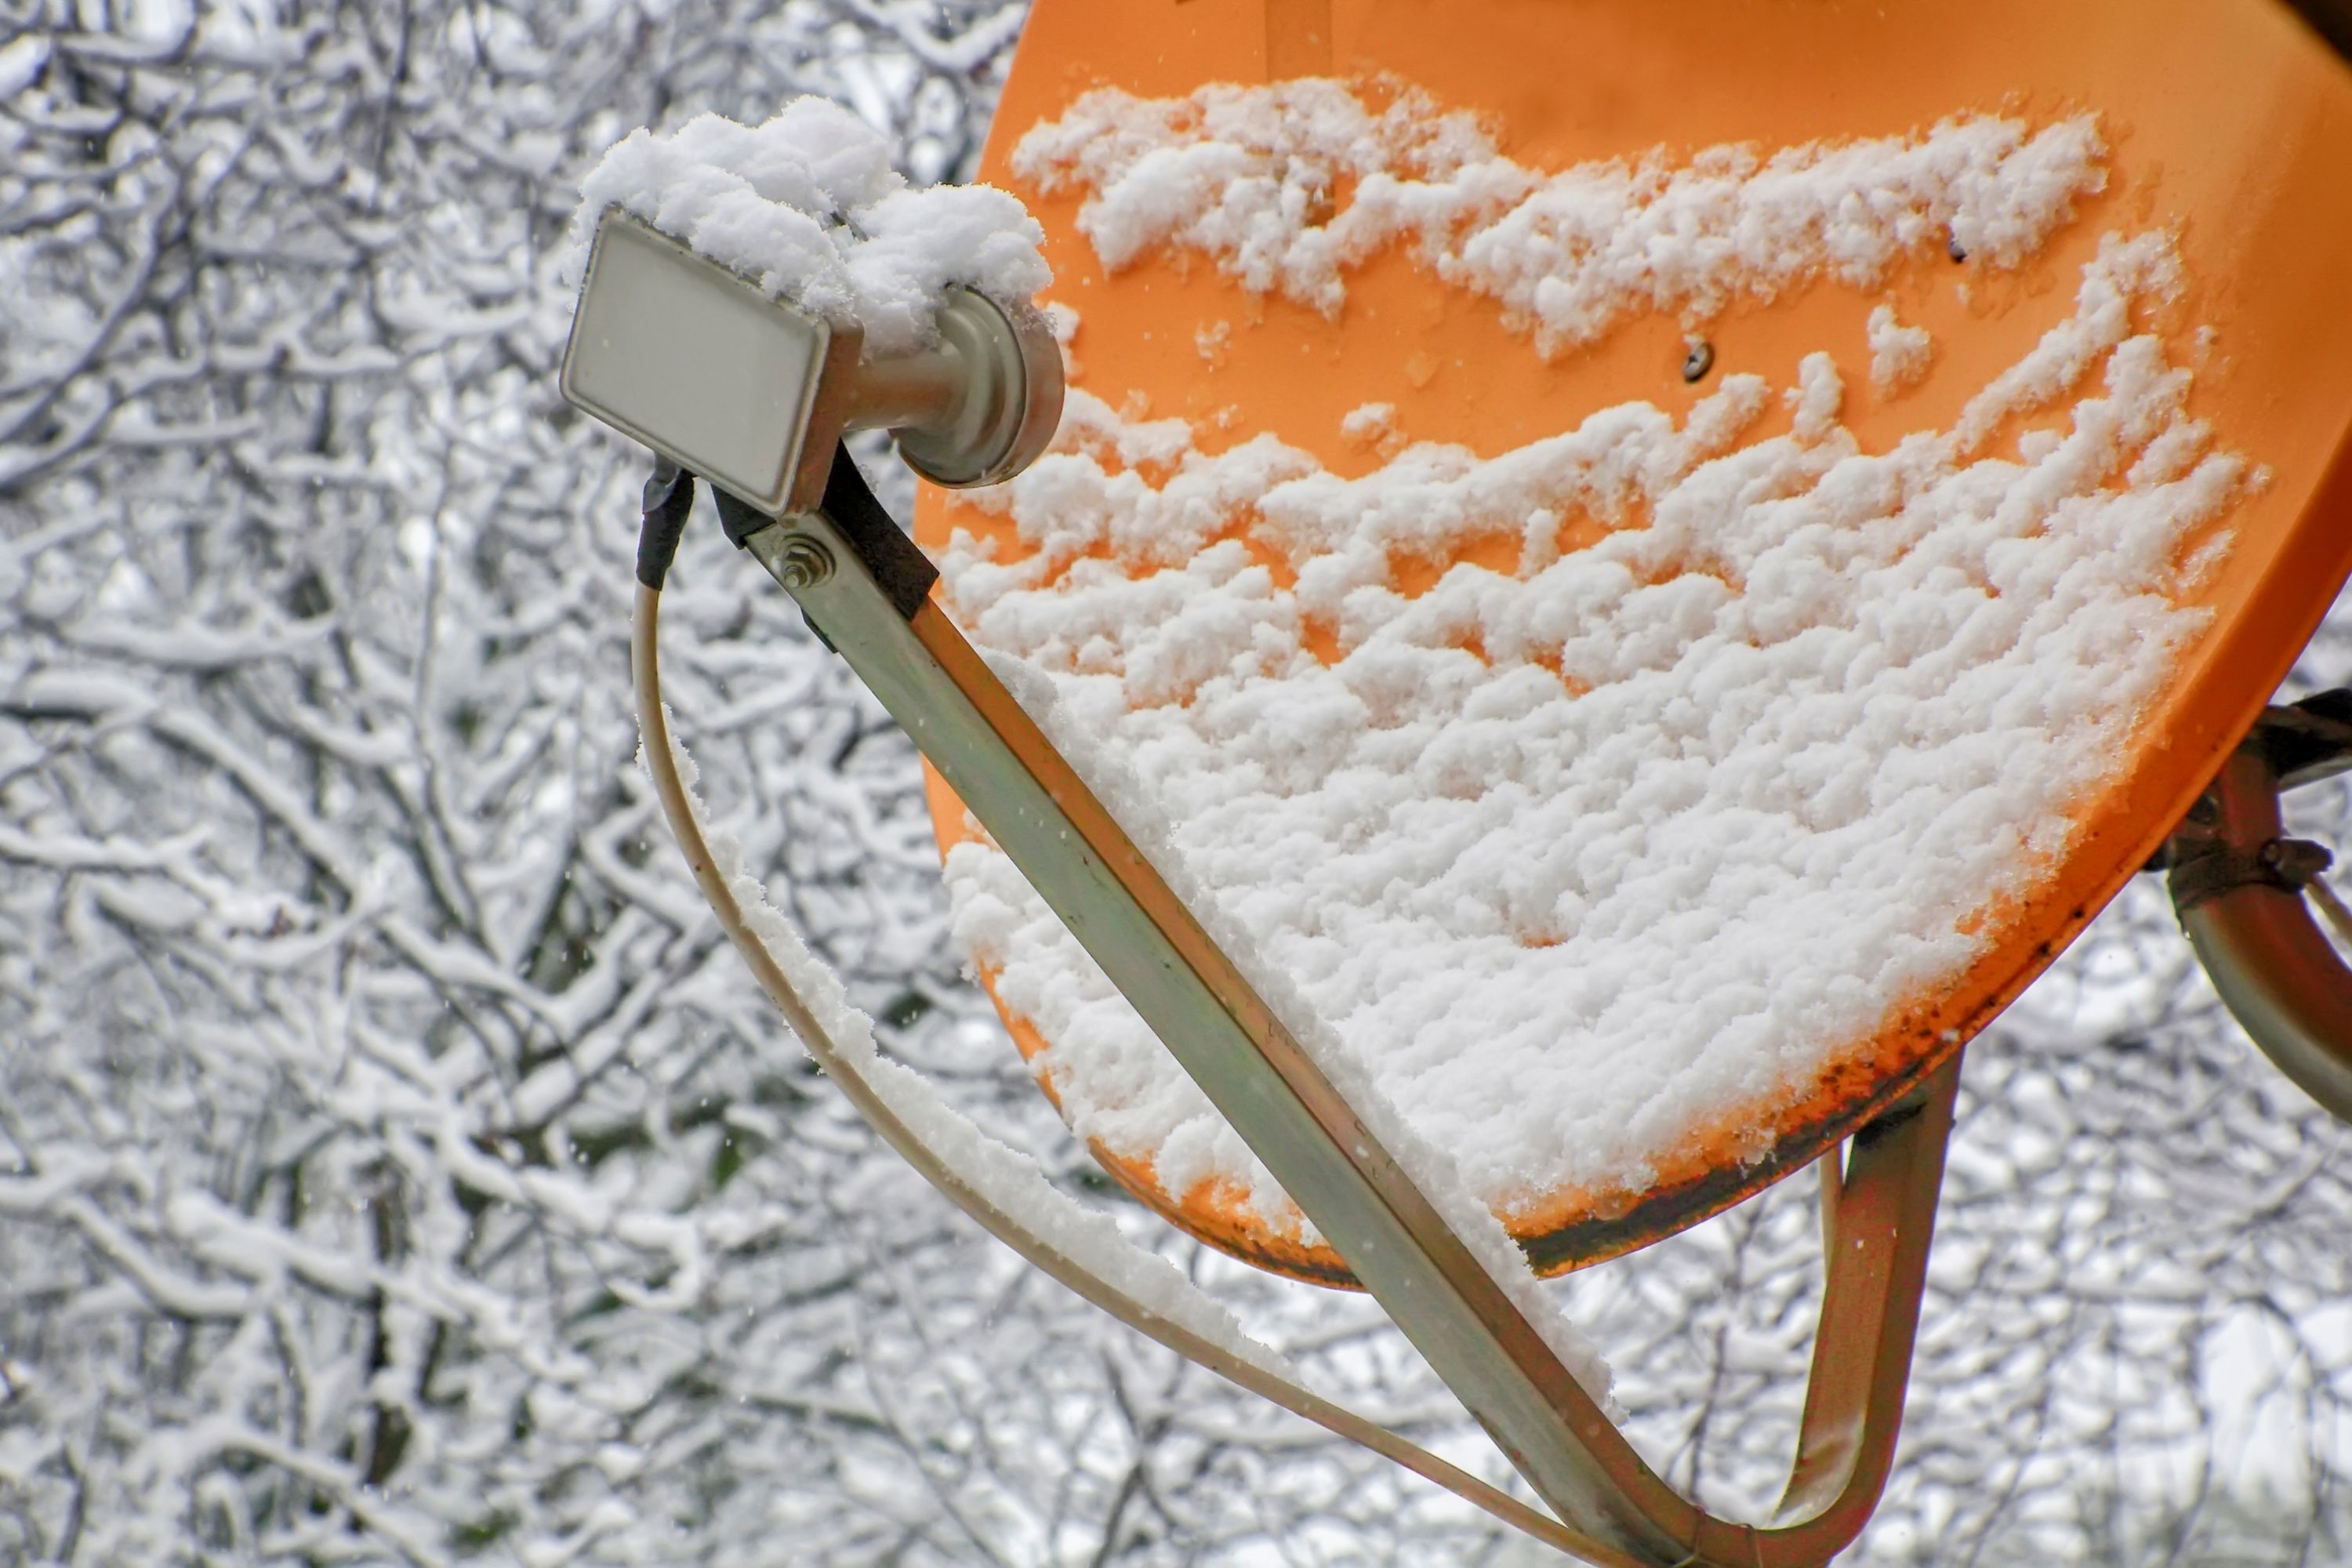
(1274, 1094)
(2238, 885)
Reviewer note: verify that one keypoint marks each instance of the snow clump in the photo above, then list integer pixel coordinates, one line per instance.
(1899, 355)
(808, 207)
(1289, 185)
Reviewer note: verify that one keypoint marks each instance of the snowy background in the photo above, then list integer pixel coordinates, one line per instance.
(397, 1167)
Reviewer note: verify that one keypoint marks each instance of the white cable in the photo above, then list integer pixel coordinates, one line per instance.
(2331, 907)
(884, 1094)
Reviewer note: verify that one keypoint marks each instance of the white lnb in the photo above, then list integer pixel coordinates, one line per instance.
(754, 393)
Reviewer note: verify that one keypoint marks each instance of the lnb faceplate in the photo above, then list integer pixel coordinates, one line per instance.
(754, 392)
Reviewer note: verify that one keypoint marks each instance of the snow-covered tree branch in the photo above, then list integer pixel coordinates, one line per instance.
(395, 1163)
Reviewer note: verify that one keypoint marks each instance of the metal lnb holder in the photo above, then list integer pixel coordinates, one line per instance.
(754, 394)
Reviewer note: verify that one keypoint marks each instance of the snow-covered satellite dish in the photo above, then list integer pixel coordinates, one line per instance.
(1658, 563)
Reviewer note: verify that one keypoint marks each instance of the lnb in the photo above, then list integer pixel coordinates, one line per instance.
(754, 393)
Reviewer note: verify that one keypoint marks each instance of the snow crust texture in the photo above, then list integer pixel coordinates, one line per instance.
(1638, 830)
(1289, 185)
(808, 207)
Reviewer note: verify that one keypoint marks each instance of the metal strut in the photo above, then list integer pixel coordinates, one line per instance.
(853, 585)
(2239, 885)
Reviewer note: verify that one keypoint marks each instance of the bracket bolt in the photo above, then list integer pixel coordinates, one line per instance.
(2295, 860)
(802, 563)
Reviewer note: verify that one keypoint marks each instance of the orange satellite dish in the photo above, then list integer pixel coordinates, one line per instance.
(1615, 583)
(2225, 130)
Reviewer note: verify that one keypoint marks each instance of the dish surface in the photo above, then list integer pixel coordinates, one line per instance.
(1441, 462)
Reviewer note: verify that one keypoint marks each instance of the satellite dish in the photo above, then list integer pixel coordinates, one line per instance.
(1984, 179)
(1611, 586)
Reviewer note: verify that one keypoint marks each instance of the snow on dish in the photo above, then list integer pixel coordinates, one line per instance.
(1368, 422)
(1899, 355)
(1579, 853)
(807, 206)
(1289, 185)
